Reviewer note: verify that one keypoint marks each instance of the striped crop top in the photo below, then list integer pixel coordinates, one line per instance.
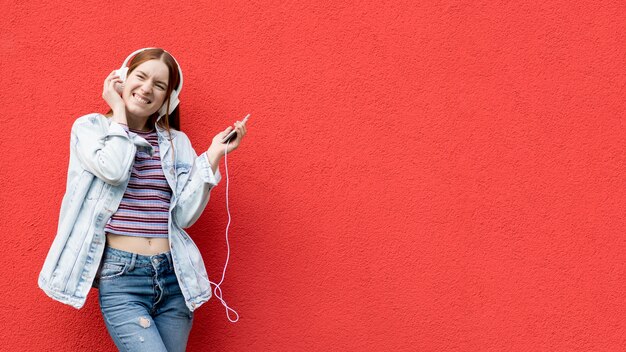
(144, 209)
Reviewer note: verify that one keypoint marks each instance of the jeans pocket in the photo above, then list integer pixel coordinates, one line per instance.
(111, 270)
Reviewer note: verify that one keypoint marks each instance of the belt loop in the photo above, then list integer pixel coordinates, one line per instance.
(132, 262)
(169, 260)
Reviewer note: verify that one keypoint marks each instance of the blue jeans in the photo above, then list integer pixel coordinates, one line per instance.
(141, 302)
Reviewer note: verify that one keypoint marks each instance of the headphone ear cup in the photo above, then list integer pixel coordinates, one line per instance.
(173, 104)
(122, 73)
(162, 110)
(173, 101)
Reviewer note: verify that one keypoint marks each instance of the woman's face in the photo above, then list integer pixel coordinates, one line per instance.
(145, 87)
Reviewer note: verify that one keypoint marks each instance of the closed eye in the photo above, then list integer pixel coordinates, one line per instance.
(141, 78)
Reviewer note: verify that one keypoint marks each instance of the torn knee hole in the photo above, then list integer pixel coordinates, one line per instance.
(144, 322)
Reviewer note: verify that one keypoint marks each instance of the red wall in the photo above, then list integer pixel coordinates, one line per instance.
(417, 176)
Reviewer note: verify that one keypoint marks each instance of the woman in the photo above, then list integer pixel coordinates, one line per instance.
(134, 184)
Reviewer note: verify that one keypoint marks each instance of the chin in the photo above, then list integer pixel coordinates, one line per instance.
(136, 111)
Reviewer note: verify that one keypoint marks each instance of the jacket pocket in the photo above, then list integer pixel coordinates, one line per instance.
(182, 175)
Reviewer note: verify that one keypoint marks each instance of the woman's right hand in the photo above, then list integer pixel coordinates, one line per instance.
(110, 94)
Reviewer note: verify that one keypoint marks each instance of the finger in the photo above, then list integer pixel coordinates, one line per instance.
(112, 83)
(116, 87)
(111, 78)
(108, 78)
(240, 134)
(235, 128)
(240, 129)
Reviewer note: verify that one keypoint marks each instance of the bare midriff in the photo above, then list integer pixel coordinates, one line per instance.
(139, 245)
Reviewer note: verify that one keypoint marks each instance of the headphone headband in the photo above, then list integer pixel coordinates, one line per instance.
(180, 72)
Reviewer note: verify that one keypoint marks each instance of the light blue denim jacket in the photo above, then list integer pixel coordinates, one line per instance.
(102, 153)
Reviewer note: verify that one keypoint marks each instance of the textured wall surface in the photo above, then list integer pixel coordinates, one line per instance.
(417, 176)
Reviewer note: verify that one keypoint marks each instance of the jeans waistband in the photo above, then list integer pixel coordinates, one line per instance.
(135, 259)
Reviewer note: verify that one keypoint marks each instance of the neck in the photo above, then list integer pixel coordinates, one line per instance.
(138, 123)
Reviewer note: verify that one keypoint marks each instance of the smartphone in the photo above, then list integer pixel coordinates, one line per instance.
(233, 134)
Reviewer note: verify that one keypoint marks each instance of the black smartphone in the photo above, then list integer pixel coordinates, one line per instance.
(233, 134)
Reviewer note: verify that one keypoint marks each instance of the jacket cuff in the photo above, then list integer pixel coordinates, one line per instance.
(206, 171)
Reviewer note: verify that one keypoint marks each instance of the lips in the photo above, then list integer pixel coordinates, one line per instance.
(145, 101)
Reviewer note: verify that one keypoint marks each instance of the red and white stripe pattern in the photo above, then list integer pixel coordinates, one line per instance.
(144, 208)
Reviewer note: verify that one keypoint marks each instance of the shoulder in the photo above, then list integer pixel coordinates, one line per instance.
(182, 141)
(94, 119)
(179, 136)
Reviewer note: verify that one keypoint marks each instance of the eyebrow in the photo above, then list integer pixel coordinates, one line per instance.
(143, 73)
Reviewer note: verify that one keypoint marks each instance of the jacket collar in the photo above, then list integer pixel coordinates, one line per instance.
(163, 132)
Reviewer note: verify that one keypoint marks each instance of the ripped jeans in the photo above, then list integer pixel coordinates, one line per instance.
(141, 302)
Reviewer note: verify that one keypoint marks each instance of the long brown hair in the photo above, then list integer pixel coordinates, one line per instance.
(169, 120)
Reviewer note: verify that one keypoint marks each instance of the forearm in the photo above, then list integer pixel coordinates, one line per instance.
(196, 192)
(104, 150)
(214, 157)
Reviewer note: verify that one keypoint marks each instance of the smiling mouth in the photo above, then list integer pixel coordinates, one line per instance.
(141, 100)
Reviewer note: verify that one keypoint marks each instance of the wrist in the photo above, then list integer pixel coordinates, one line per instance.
(214, 158)
(215, 153)
(120, 116)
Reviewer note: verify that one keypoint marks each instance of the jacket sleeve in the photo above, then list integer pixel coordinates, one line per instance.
(108, 152)
(196, 192)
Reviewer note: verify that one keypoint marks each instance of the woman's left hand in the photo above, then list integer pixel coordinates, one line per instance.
(219, 147)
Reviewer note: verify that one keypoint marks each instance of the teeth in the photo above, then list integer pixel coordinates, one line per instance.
(140, 99)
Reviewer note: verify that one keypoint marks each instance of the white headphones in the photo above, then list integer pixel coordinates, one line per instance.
(122, 71)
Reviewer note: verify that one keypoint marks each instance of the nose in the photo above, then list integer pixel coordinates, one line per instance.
(146, 88)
